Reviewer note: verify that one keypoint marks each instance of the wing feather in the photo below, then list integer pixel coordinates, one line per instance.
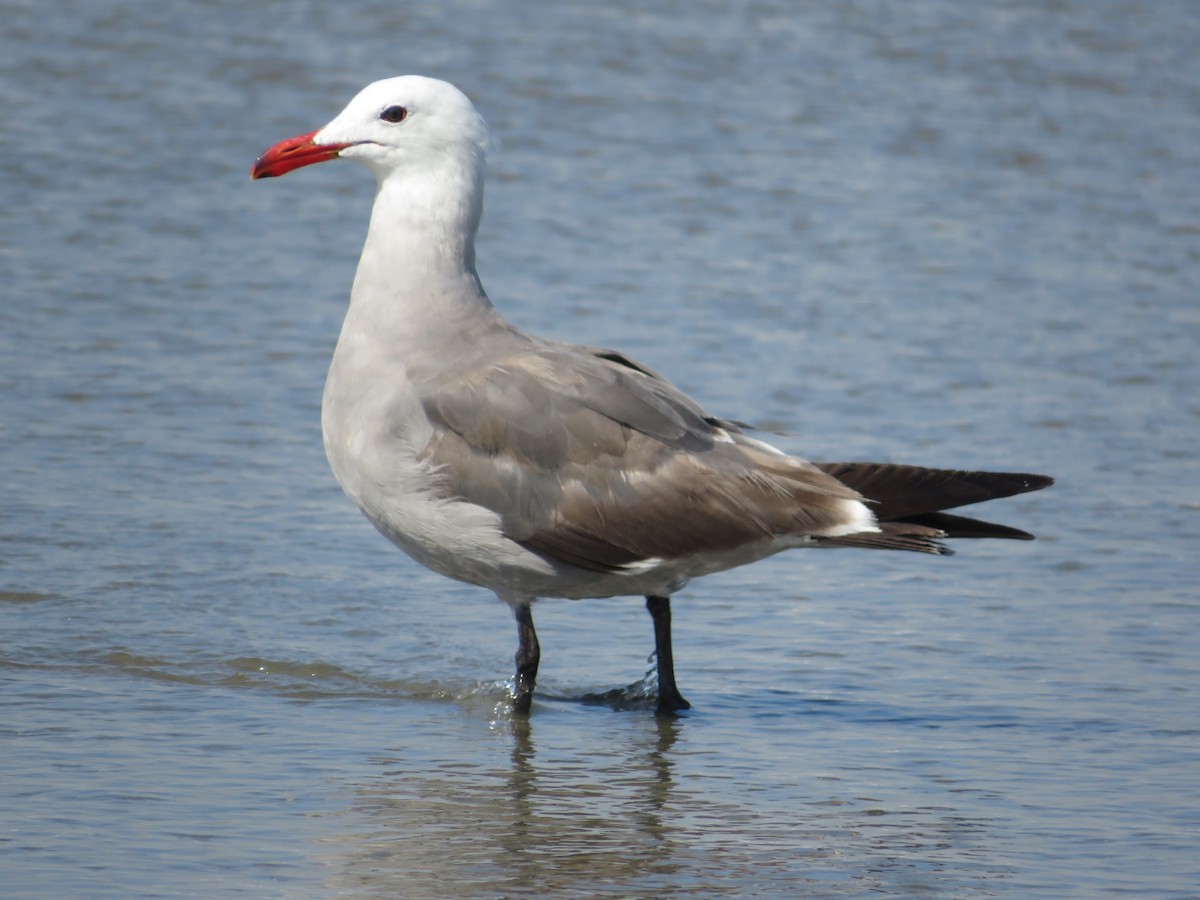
(592, 460)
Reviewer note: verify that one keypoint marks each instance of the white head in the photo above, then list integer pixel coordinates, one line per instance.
(427, 146)
(405, 124)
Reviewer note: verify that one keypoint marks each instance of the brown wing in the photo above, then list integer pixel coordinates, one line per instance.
(599, 463)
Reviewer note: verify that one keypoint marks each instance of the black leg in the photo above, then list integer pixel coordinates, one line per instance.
(669, 698)
(528, 654)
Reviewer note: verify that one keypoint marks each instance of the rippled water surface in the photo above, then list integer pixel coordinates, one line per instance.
(961, 234)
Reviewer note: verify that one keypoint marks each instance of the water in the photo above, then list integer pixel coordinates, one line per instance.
(946, 233)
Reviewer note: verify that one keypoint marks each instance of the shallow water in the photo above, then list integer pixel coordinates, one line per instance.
(932, 232)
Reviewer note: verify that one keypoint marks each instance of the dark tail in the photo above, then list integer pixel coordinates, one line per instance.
(909, 502)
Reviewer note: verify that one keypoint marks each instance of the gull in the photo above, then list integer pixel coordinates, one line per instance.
(539, 469)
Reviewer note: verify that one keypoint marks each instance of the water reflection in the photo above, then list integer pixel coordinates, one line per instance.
(649, 804)
(548, 820)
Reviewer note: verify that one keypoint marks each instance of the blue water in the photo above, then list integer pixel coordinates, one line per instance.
(947, 233)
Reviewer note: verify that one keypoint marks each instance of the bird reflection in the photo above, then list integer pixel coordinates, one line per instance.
(612, 817)
(580, 801)
(540, 818)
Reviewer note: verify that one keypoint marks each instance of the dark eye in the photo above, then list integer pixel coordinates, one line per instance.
(394, 114)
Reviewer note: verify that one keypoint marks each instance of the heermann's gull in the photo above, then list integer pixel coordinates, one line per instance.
(541, 469)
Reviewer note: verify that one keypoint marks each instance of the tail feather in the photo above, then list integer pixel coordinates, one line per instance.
(908, 502)
(963, 527)
(902, 491)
